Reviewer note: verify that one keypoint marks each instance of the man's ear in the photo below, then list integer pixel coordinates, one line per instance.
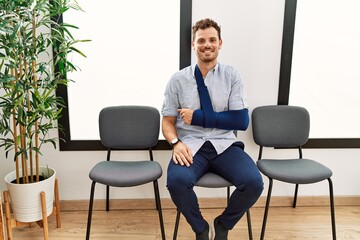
(220, 43)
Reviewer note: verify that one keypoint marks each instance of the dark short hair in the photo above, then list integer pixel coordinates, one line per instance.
(204, 24)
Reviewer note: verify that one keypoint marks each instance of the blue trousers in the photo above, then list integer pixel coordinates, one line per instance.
(234, 165)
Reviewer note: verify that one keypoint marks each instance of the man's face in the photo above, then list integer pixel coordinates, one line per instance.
(207, 44)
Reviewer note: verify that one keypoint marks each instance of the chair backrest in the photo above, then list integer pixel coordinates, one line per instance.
(129, 127)
(280, 126)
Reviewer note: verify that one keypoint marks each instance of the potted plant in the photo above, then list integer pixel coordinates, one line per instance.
(29, 107)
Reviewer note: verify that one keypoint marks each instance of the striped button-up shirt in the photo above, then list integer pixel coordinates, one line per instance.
(225, 88)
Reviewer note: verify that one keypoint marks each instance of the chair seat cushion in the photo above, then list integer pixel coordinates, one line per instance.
(298, 171)
(212, 180)
(125, 173)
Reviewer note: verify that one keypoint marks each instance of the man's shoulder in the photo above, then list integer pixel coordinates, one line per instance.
(226, 68)
(183, 73)
(186, 70)
(229, 72)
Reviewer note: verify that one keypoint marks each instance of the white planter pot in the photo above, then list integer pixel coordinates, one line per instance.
(25, 198)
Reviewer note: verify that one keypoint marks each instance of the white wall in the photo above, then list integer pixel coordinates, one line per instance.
(252, 33)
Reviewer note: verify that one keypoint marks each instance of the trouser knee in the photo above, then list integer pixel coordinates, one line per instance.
(256, 187)
(253, 188)
(178, 184)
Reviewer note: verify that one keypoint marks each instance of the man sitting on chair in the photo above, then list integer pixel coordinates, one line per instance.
(203, 106)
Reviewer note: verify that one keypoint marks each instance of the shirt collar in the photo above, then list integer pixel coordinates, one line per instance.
(215, 69)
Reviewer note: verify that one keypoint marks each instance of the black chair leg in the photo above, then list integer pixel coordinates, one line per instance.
(156, 201)
(177, 222)
(107, 198)
(248, 218)
(295, 195)
(228, 195)
(266, 209)
(158, 207)
(91, 203)
(332, 207)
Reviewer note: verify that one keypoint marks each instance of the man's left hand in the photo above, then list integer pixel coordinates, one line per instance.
(186, 115)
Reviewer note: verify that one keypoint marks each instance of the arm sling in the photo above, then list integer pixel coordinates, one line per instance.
(207, 118)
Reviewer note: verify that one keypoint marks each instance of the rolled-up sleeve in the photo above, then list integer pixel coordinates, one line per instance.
(237, 99)
(171, 99)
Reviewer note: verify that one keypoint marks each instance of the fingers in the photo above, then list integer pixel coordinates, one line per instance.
(182, 155)
(186, 115)
(182, 159)
(182, 112)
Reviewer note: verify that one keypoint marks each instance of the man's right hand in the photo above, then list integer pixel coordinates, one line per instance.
(182, 154)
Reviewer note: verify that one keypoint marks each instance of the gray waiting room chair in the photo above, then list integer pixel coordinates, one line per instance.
(212, 180)
(127, 128)
(282, 126)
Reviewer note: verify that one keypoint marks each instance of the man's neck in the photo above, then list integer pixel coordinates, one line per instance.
(205, 67)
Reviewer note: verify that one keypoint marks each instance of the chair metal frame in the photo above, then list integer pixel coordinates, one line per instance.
(331, 193)
(272, 142)
(156, 191)
(157, 200)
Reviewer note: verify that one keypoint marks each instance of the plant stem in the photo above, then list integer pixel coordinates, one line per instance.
(15, 136)
(35, 86)
(30, 133)
(22, 128)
